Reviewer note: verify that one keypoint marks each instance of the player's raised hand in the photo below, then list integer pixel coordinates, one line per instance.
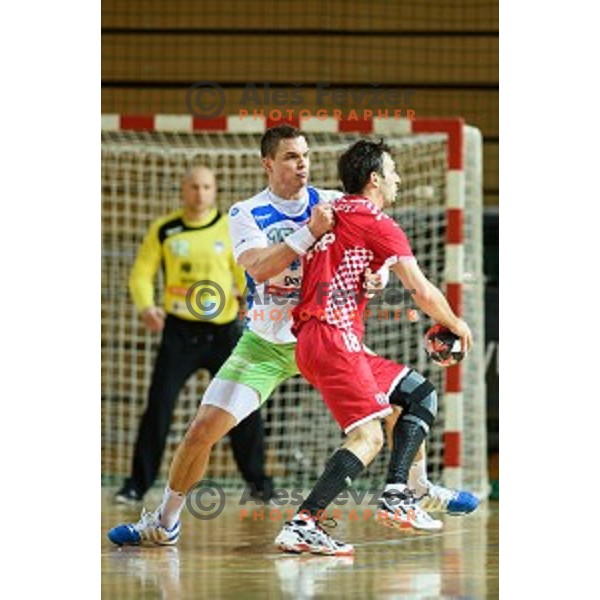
(322, 220)
(463, 331)
(154, 318)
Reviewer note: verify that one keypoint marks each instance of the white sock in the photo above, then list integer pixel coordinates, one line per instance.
(417, 477)
(171, 507)
(394, 487)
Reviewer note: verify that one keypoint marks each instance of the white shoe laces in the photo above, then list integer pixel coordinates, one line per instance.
(148, 519)
(149, 527)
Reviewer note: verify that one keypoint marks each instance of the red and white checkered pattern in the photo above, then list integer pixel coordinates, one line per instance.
(343, 312)
(455, 203)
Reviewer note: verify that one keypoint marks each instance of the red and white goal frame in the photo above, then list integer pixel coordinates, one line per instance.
(455, 207)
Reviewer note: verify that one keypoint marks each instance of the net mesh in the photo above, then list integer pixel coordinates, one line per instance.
(140, 181)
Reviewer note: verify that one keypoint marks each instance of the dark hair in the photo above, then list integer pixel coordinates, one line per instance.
(358, 162)
(271, 138)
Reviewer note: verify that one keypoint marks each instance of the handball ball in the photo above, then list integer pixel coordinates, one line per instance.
(443, 346)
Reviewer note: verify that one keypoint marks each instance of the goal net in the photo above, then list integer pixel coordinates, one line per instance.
(141, 175)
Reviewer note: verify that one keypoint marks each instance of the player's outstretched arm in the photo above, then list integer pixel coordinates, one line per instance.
(431, 300)
(264, 263)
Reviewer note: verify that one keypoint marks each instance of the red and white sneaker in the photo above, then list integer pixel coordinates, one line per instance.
(400, 510)
(300, 535)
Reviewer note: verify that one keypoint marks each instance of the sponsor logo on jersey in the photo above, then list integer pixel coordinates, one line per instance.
(290, 281)
(275, 235)
(180, 247)
(176, 290)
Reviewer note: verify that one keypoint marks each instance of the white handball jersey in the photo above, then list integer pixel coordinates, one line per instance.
(262, 221)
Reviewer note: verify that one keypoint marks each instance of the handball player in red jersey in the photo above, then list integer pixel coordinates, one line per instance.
(359, 387)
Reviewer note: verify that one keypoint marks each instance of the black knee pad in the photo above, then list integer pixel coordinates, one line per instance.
(418, 398)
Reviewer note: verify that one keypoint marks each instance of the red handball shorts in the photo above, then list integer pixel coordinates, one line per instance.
(354, 384)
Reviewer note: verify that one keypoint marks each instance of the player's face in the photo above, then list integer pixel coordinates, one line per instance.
(288, 170)
(389, 180)
(199, 192)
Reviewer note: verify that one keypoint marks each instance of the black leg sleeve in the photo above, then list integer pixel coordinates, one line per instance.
(418, 398)
(408, 437)
(340, 471)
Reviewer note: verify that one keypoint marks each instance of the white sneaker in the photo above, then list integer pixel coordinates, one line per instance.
(301, 535)
(437, 498)
(147, 529)
(400, 510)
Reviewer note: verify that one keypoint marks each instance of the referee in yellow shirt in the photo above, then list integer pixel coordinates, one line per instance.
(199, 329)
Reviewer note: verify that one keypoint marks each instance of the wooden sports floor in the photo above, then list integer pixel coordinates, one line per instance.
(232, 556)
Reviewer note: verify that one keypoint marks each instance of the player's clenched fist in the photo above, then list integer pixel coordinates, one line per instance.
(321, 220)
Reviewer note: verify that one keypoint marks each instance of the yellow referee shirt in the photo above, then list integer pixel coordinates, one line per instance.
(190, 253)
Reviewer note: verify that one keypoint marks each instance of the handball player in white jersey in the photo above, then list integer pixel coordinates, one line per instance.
(270, 232)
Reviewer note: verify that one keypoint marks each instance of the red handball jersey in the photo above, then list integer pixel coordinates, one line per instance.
(333, 270)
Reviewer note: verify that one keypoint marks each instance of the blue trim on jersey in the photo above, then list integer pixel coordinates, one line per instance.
(251, 286)
(313, 197)
(267, 215)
